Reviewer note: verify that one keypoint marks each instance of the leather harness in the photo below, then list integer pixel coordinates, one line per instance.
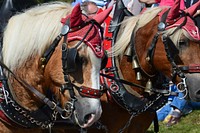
(13, 114)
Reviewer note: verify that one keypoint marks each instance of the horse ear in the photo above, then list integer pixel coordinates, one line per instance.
(192, 9)
(174, 11)
(76, 16)
(103, 15)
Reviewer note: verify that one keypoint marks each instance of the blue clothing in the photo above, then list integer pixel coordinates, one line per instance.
(99, 3)
(177, 102)
(164, 111)
(76, 2)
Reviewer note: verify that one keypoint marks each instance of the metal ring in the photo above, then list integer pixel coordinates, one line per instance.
(114, 87)
(181, 91)
(54, 106)
(64, 116)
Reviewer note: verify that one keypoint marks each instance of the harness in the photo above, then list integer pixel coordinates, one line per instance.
(15, 115)
(172, 52)
(116, 86)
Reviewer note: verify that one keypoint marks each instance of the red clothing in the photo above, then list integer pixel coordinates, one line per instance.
(170, 3)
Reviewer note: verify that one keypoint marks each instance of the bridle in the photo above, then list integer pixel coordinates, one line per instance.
(172, 51)
(69, 60)
(118, 92)
(69, 57)
(116, 89)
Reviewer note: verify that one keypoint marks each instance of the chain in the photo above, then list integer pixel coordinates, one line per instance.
(134, 114)
(30, 118)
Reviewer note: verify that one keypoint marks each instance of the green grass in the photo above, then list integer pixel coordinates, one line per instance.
(188, 124)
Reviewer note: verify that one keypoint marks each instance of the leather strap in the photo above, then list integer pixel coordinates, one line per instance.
(41, 96)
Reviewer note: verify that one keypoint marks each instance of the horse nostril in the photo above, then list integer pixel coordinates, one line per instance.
(198, 92)
(88, 117)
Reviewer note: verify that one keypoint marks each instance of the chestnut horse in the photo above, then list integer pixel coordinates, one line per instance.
(46, 72)
(157, 50)
(115, 116)
(151, 49)
(129, 104)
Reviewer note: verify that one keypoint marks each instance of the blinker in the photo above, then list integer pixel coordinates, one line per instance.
(104, 60)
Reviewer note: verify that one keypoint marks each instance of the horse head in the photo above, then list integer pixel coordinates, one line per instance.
(188, 41)
(171, 45)
(160, 47)
(62, 65)
(83, 57)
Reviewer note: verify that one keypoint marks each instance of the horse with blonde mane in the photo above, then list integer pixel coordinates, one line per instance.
(52, 57)
(177, 65)
(151, 49)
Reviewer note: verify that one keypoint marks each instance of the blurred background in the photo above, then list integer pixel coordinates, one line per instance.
(23, 4)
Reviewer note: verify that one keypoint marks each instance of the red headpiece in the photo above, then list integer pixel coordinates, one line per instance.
(93, 39)
(174, 19)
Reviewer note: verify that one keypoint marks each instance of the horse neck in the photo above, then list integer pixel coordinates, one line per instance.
(30, 73)
(143, 41)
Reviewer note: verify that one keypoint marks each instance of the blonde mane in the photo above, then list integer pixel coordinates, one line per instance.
(127, 27)
(30, 33)
(132, 24)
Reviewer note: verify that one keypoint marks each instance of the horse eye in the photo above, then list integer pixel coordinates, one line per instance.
(182, 43)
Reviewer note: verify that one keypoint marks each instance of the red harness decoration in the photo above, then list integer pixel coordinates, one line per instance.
(107, 43)
(93, 39)
(4, 118)
(189, 27)
(194, 68)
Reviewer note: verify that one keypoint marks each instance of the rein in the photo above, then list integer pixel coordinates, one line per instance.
(15, 112)
(121, 96)
(171, 50)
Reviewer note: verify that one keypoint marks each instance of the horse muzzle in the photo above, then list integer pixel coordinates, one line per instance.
(87, 111)
(193, 84)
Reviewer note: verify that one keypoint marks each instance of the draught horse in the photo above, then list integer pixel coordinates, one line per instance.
(151, 49)
(51, 59)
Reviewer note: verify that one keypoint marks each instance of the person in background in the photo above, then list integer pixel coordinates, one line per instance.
(134, 6)
(89, 8)
(176, 107)
(76, 2)
(171, 113)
